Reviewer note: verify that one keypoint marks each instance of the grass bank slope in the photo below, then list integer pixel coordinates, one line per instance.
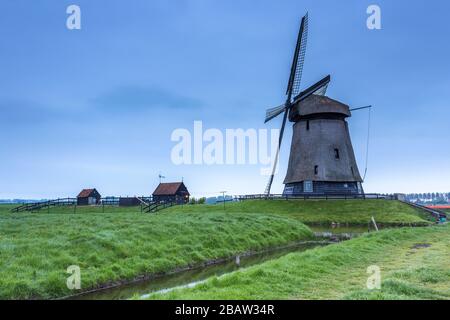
(357, 212)
(36, 249)
(414, 262)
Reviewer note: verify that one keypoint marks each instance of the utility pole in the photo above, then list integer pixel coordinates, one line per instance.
(223, 196)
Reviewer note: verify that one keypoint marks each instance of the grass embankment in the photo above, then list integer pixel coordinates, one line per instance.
(414, 262)
(37, 248)
(352, 212)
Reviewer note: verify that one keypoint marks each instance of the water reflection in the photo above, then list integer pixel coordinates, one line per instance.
(190, 277)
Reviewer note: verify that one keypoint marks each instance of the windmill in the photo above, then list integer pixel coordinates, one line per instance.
(311, 167)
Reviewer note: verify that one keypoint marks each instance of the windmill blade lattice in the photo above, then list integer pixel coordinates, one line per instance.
(274, 112)
(321, 91)
(319, 88)
(300, 59)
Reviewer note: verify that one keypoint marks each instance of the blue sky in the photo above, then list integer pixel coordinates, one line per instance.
(96, 107)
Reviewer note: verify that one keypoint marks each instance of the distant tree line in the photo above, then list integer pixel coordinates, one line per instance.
(193, 200)
(429, 198)
(15, 201)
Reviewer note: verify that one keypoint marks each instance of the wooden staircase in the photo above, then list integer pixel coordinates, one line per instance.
(153, 206)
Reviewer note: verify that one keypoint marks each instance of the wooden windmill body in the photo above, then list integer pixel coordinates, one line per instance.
(321, 158)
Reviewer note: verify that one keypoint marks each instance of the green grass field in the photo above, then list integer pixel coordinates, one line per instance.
(414, 263)
(122, 243)
(37, 248)
(356, 212)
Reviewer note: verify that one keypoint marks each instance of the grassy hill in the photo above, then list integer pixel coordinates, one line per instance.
(414, 264)
(356, 212)
(37, 248)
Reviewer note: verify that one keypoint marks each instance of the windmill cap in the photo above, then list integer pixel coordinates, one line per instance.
(315, 105)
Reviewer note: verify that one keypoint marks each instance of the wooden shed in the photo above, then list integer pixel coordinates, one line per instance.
(88, 197)
(171, 192)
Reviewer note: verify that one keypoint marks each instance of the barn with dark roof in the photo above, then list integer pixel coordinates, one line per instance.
(171, 192)
(88, 197)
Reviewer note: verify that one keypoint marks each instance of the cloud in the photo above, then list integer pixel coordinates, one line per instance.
(138, 98)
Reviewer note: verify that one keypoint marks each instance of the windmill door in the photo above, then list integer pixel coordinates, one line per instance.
(308, 186)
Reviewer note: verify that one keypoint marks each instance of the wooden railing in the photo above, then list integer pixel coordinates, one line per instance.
(36, 206)
(156, 206)
(316, 196)
(435, 213)
(106, 201)
(110, 201)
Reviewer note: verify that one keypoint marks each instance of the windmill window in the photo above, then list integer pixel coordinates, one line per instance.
(307, 125)
(316, 170)
(336, 154)
(353, 173)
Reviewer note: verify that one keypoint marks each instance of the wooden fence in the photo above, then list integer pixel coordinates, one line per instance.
(36, 206)
(47, 204)
(316, 196)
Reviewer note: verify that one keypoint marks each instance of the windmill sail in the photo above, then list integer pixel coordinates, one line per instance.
(274, 112)
(319, 88)
(299, 59)
(322, 90)
(277, 155)
(292, 89)
(295, 77)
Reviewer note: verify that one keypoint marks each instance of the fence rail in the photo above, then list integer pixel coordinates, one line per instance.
(110, 201)
(316, 196)
(35, 206)
(435, 213)
(46, 204)
(156, 206)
